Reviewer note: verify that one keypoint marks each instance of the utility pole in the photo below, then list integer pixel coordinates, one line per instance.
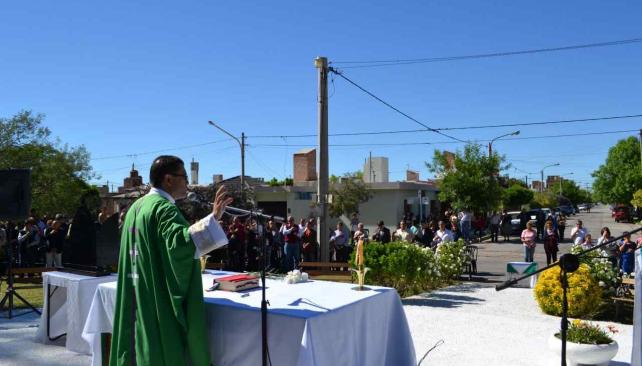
(243, 167)
(241, 143)
(641, 147)
(561, 179)
(370, 162)
(420, 208)
(321, 63)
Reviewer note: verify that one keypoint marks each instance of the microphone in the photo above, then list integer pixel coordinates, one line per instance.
(197, 199)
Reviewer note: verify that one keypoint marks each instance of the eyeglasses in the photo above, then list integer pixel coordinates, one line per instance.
(179, 175)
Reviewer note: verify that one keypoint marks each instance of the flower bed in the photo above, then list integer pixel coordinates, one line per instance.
(600, 268)
(411, 269)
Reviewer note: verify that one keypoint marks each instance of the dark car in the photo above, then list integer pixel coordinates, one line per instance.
(566, 210)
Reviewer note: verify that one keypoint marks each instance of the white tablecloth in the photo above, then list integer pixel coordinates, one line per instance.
(69, 307)
(312, 323)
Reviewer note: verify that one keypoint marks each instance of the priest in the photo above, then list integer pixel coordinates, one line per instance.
(160, 316)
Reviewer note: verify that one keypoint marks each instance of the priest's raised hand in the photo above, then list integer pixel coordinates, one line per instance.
(221, 201)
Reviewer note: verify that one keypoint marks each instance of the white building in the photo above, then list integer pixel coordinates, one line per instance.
(375, 170)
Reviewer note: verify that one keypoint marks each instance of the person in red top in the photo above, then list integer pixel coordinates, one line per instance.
(479, 225)
(237, 245)
(309, 240)
(290, 233)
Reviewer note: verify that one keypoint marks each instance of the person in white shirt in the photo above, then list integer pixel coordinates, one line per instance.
(443, 235)
(578, 233)
(360, 234)
(403, 234)
(494, 227)
(588, 242)
(302, 226)
(465, 219)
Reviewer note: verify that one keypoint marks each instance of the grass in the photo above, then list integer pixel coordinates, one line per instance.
(32, 295)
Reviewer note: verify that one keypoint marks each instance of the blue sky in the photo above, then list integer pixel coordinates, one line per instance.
(127, 78)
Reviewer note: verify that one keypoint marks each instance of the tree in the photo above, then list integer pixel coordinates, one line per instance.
(515, 196)
(276, 183)
(620, 176)
(58, 172)
(637, 198)
(468, 179)
(347, 196)
(544, 199)
(570, 190)
(507, 182)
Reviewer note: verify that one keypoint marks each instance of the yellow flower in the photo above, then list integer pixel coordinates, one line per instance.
(577, 322)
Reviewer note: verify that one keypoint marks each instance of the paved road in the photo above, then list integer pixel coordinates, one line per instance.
(491, 263)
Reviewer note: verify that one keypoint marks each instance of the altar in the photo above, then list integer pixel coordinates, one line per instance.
(309, 323)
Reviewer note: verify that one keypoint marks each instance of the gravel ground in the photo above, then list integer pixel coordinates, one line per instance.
(480, 326)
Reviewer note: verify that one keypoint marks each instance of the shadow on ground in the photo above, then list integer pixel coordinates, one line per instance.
(447, 298)
(442, 301)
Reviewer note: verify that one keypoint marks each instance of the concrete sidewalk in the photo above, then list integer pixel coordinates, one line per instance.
(480, 326)
(17, 346)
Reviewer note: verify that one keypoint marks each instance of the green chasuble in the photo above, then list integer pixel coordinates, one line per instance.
(159, 275)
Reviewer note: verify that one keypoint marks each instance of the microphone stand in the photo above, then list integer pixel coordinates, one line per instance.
(568, 263)
(264, 301)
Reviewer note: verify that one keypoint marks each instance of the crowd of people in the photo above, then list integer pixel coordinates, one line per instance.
(619, 253)
(288, 243)
(40, 239)
(36, 241)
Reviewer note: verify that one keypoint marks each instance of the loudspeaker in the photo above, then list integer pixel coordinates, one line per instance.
(15, 194)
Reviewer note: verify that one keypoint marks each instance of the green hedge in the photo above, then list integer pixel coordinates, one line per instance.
(411, 269)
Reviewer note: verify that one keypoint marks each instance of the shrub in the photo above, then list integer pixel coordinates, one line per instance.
(600, 268)
(408, 268)
(584, 294)
(450, 259)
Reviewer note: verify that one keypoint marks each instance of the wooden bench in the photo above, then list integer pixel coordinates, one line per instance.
(330, 271)
(625, 295)
(32, 276)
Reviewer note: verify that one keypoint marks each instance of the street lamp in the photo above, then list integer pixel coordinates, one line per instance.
(541, 186)
(561, 179)
(490, 144)
(241, 143)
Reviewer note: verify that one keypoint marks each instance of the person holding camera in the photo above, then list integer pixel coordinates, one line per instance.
(28, 239)
(56, 238)
(383, 233)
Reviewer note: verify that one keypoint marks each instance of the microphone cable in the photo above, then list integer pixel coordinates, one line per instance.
(439, 343)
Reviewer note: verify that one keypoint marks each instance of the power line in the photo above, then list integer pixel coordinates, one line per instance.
(542, 123)
(391, 106)
(454, 142)
(382, 63)
(131, 155)
(392, 132)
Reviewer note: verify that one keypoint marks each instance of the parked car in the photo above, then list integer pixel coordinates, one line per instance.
(547, 212)
(583, 207)
(515, 222)
(566, 210)
(622, 214)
